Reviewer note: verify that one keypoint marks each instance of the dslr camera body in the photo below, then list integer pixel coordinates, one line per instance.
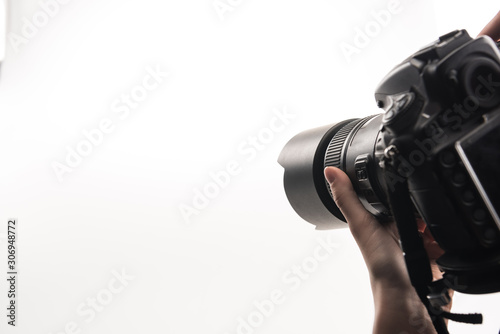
(433, 153)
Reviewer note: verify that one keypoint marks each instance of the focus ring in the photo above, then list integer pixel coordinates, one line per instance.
(333, 155)
(334, 150)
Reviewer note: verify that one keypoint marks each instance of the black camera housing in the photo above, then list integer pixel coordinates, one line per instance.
(440, 135)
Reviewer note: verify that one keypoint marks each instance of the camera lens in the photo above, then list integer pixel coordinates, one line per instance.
(349, 145)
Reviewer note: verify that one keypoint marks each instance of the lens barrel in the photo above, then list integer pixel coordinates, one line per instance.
(348, 145)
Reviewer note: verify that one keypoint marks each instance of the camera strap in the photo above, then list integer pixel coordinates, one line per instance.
(416, 259)
(415, 255)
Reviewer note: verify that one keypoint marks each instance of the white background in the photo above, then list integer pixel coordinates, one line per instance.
(118, 210)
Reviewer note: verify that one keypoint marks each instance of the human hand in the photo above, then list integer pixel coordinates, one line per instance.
(398, 308)
(492, 29)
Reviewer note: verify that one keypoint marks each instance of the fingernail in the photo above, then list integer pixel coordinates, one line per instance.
(329, 177)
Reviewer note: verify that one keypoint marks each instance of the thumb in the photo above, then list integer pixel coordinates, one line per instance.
(361, 222)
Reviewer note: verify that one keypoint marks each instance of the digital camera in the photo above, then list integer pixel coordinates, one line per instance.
(433, 153)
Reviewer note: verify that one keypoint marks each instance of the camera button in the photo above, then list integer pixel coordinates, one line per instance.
(361, 174)
(468, 197)
(447, 159)
(479, 215)
(400, 104)
(489, 234)
(459, 178)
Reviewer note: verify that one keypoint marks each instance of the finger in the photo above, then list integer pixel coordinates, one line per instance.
(433, 249)
(492, 29)
(421, 225)
(360, 221)
(431, 246)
